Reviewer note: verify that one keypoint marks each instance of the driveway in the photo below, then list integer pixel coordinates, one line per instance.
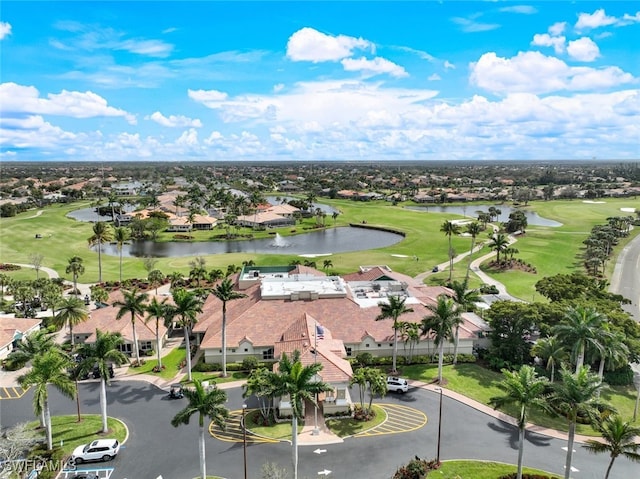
(156, 448)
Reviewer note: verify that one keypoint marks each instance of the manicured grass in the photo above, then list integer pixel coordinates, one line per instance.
(350, 427)
(171, 362)
(280, 431)
(481, 384)
(71, 433)
(479, 470)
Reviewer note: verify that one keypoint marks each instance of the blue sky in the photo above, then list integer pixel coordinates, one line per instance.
(319, 81)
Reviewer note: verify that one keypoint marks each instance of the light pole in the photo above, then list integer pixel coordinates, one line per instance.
(439, 427)
(244, 439)
(315, 431)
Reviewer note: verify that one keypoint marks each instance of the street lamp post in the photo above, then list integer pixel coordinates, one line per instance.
(439, 427)
(244, 439)
(636, 383)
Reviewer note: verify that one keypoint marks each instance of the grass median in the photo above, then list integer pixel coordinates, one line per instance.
(480, 470)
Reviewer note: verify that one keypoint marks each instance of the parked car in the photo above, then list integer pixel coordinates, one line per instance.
(397, 385)
(86, 475)
(99, 450)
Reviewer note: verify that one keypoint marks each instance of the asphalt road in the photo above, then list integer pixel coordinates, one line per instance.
(156, 448)
(626, 277)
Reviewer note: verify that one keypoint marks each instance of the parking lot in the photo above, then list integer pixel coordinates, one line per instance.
(101, 472)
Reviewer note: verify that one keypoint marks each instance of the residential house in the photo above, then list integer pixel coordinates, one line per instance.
(13, 330)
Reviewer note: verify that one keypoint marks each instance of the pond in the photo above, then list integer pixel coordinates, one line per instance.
(332, 240)
(471, 212)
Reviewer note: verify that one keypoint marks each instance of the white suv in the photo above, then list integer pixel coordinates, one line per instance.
(100, 450)
(397, 385)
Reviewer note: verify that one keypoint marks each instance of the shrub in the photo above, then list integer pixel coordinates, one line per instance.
(203, 367)
(513, 475)
(250, 363)
(619, 377)
(364, 359)
(416, 469)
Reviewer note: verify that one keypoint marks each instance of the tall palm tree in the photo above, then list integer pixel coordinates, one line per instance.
(473, 229)
(297, 381)
(75, 268)
(581, 327)
(101, 234)
(186, 308)
(205, 403)
(121, 235)
(32, 345)
(449, 228)
(155, 278)
(499, 243)
(441, 320)
(224, 292)
(575, 395)
(525, 390)
(614, 352)
(133, 303)
(551, 351)
(619, 437)
(102, 353)
(393, 309)
(48, 368)
(158, 311)
(52, 295)
(465, 299)
(71, 311)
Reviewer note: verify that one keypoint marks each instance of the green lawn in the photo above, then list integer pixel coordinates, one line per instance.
(481, 384)
(66, 430)
(350, 427)
(214, 377)
(171, 362)
(478, 470)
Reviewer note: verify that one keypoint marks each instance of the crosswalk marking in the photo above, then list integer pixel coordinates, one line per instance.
(12, 392)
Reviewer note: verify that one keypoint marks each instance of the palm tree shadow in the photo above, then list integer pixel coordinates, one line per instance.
(511, 433)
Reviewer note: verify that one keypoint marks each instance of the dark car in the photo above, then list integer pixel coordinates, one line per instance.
(435, 269)
(96, 372)
(86, 475)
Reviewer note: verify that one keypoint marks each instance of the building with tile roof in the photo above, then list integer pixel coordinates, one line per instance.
(12, 330)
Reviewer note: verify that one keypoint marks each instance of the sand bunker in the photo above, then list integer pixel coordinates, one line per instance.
(628, 210)
(400, 255)
(594, 202)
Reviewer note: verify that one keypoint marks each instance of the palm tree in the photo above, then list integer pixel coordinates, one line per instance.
(186, 308)
(473, 229)
(619, 437)
(71, 311)
(156, 278)
(121, 235)
(36, 343)
(444, 315)
(465, 299)
(393, 309)
(48, 368)
(52, 295)
(575, 395)
(551, 351)
(614, 352)
(499, 242)
(225, 293)
(524, 389)
(297, 381)
(206, 403)
(134, 303)
(581, 328)
(449, 228)
(326, 264)
(102, 353)
(101, 234)
(158, 310)
(75, 268)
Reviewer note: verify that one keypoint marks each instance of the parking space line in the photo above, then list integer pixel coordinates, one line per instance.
(101, 472)
(12, 392)
(400, 419)
(233, 432)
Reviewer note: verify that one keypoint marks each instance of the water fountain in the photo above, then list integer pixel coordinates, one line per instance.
(280, 242)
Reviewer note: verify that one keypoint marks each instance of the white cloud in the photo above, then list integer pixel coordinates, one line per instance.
(584, 49)
(523, 9)
(596, 19)
(434, 77)
(278, 87)
(546, 40)
(5, 30)
(151, 48)
(373, 67)
(188, 138)
(472, 26)
(210, 98)
(448, 65)
(16, 98)
(628, 19)
(557, 28)
(174, 121)
(308, 44)
(534, 72)
(420, 53)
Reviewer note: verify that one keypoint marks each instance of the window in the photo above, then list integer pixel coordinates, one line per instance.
(233, 350)
(379, 345)
(246, 350)
(267, 354)
(366, 345)
(349, 351)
